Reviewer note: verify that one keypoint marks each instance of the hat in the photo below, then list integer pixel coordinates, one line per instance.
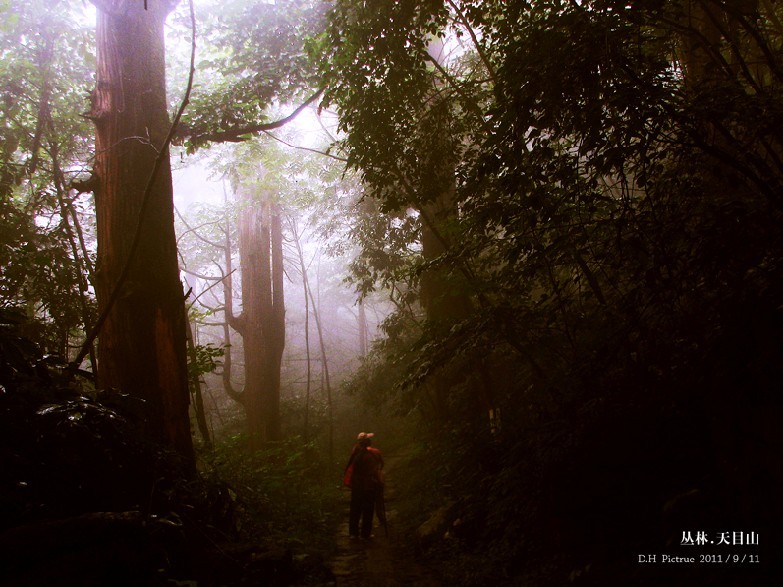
(365, 435)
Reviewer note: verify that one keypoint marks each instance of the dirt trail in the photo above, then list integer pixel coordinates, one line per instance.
(383, 561)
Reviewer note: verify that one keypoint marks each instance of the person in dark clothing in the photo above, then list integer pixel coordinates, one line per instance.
(364, 473)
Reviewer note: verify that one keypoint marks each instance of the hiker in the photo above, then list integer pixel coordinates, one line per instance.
(364, 475)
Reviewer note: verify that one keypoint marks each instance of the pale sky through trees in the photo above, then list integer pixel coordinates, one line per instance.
(195, 183)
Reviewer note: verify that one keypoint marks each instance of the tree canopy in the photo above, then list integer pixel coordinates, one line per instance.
(46, 62)
(253, 56)
(616, 175)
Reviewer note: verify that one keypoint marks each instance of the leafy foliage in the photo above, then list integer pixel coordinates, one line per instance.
(615, 225)
(254, 56)
(45, 61)
(57, 435)
(282, 491)
(202, 359)
(79, 485)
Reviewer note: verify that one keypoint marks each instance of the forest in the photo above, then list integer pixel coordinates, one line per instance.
(536, 248)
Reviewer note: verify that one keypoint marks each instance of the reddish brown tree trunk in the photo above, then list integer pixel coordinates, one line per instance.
(142, 348)
(262, 323)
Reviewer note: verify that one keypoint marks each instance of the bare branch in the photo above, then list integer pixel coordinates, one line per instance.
(201, 275)
(287, 144)
(195, 230)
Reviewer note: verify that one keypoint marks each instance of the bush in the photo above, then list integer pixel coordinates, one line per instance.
(283, 493)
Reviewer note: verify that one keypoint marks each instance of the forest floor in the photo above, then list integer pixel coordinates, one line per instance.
(384, 560)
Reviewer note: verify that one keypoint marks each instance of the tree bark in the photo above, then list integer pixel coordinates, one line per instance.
(142, 348)
(263, 312)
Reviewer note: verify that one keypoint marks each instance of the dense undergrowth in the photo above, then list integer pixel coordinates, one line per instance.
(583, 476)
(285, 492)
(659, 425)
(589, 315)
(85, 500)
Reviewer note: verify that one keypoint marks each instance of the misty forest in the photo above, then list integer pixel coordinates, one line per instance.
(507, 273)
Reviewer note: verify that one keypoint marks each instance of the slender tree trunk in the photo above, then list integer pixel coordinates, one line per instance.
(195, 389)
(324, 370)
(306, 289)
(79, 266)
(363, 338)
(308, 385)
(142, 348)
(231, 321)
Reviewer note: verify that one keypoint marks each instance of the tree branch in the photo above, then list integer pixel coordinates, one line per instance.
(195, 230)
(472, 33)
(201, 276)
(237, 396)
(469, 102)
(287, 144)
(238, 135)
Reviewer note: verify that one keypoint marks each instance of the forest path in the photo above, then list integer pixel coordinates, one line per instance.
(383, 561)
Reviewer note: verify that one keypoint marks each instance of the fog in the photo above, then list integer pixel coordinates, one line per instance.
(202, 193)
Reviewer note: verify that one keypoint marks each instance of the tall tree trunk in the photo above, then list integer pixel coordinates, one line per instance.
(231, 321)
(442, 290)
(142, 342)
(364, 344)
(263, 313)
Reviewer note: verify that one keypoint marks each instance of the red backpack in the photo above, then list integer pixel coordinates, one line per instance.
(349, 469)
